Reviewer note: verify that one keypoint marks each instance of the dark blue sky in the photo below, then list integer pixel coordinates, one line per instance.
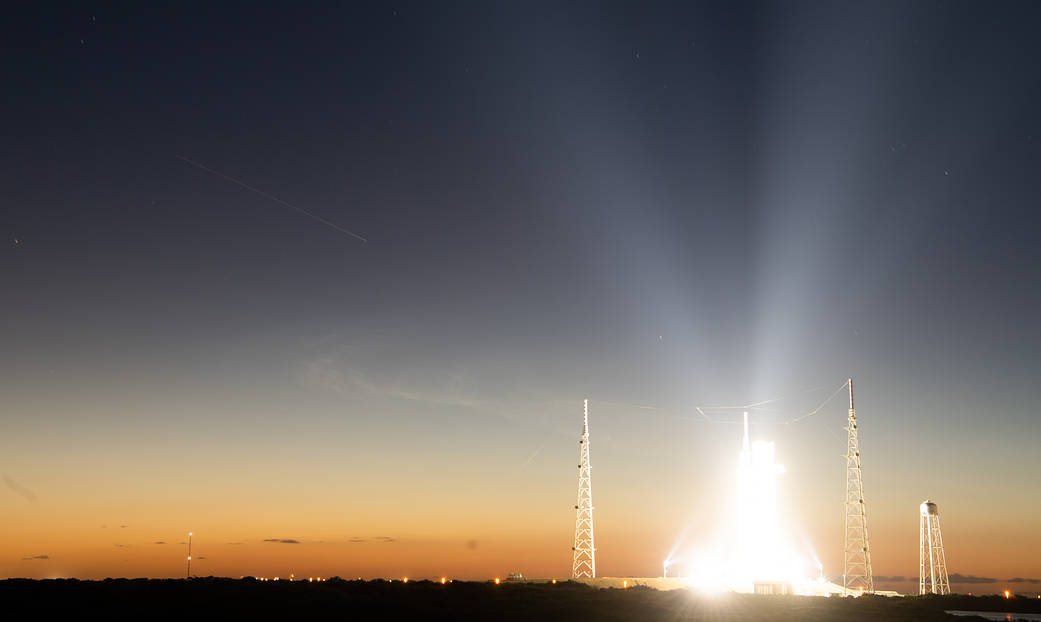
(785, 193)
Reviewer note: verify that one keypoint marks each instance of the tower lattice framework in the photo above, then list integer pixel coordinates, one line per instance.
(584, 563)
(856, 571)
(932, 564)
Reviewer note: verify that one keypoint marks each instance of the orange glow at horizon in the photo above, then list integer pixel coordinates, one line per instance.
(275, 509)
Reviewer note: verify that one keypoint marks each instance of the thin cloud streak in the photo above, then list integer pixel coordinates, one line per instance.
(327, 373)
(377, 539)
(19, 490)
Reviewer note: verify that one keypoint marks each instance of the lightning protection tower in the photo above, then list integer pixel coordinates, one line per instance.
(856, 571)
(584, 564)
(932, 565)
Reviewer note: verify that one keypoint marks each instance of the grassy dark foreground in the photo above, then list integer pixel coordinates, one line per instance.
(422, 600)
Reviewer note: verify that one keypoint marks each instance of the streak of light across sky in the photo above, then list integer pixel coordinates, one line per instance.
(273, 198)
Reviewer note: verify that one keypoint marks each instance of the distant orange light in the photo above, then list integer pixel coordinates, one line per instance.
(625, 585)
(443, 580)
(405, 580)
(1007, 594)
(554, 581)
(496, 580)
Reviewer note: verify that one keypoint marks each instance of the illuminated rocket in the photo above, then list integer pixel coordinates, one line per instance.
(762, 558)
(759, 547)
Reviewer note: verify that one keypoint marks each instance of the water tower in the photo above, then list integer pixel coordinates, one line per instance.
(932, 567)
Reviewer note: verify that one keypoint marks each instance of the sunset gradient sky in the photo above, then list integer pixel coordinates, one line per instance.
(655, 207)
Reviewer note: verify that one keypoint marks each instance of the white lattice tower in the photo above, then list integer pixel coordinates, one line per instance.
(584, 564)
(856, 570)
(932, 564)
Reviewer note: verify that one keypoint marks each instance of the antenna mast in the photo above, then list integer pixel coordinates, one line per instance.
(856, 571)
(584, 563)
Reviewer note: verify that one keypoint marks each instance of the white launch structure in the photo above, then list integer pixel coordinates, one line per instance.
(932, 566)
(584, 564)
(856, 573)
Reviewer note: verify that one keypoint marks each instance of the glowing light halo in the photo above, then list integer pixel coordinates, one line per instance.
(757, 550)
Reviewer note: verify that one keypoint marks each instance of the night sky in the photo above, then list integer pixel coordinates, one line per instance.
(657, 207)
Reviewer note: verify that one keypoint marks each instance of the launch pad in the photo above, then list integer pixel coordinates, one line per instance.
(759, 556)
